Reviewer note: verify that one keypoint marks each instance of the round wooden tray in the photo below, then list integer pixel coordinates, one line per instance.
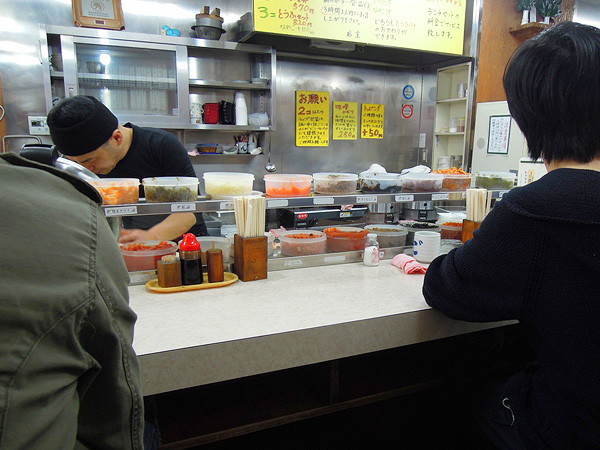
(230, 278)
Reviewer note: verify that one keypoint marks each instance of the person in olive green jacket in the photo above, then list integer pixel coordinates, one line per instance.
(69, 377)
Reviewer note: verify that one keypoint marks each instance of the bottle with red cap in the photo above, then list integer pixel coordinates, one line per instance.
(191, 262)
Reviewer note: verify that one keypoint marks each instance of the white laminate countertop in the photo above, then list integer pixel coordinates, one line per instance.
(293, 318)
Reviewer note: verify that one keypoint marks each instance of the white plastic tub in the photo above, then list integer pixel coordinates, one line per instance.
(224, 184)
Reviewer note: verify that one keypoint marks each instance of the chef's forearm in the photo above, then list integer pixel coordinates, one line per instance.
(173, 226)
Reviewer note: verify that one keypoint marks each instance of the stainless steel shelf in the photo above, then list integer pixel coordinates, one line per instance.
(207, 204)
(218, 127)
(327, 259)
(214, 84)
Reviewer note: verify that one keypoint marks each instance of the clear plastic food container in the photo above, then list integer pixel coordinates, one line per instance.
(335, 183)
(170, 189)
(495, 180)
(302, 242)
(422, 182)
(287, 185)
(210, 242)
(451, 213)
(380, 182)
(117, 191)
(143, 255)
(389, 235)
(224, 184)
(451, 230)
(456, 182)
(345, 239)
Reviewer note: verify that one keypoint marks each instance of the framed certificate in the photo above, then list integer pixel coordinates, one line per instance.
(98, 14)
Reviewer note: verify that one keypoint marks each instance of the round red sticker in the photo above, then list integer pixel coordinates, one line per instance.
(407, 111)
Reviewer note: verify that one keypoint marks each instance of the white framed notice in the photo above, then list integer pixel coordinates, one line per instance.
(499, 135)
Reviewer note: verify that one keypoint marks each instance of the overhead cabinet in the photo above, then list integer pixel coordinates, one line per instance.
(159, 81)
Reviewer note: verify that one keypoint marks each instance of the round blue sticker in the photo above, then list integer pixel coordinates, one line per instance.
(408, 92)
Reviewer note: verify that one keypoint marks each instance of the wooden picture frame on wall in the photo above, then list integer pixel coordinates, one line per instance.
(98, 14)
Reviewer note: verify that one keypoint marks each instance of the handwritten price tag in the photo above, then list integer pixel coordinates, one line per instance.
(226, 206)
(366, 199)
(404, 198)
(120, 211)
(183, 207)
(292, 263)
(444, 196)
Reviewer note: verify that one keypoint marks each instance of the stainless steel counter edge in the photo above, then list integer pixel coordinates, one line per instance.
(292, 318)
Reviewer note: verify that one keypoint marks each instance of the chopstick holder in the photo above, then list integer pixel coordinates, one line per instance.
(250, 258)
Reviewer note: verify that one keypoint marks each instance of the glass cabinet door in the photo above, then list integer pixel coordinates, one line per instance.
(138, 82)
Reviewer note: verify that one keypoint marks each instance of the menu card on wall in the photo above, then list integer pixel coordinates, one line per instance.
(345, 120)
(312, 119)
(499, 134)
(372, 116)
(431, 25)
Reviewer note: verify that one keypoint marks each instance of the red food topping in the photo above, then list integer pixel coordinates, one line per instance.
(137, 246)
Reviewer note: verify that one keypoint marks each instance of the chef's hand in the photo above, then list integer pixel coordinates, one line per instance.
(133, 235)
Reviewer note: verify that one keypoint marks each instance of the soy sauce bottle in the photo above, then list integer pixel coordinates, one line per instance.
(190, 258)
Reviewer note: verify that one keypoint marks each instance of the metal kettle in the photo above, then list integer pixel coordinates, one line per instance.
(47, 154)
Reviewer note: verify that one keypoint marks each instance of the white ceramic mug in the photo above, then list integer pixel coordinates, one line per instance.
(426, 246)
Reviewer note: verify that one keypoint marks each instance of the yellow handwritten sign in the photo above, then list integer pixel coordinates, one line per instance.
(432, 25)
(312, 119)
(372, 121)
(345, 120)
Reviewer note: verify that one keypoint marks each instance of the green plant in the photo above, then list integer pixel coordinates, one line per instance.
(548, 8)
(524, 5)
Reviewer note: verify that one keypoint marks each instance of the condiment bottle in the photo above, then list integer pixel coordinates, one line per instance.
(371, 253)
(241, 110)
(191, 262)
(214, 265)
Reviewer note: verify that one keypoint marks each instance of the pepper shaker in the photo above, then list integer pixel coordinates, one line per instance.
(214, 262)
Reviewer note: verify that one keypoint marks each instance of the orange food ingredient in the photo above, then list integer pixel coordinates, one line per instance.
(453, 224)
(303, 236)
(451, 171)
(139, 246)
(289, 190)
(115, 195)
(337, 233)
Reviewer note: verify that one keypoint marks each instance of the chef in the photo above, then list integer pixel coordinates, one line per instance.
(87, 132)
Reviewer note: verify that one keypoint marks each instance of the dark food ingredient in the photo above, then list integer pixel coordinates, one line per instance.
(422, 225)
(375, 186)
(331, 186)
(421, 185)
(165, 194)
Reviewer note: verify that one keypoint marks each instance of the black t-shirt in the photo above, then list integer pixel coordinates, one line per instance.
(155, 153)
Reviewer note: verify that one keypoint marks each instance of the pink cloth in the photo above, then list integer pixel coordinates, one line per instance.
(408, 264)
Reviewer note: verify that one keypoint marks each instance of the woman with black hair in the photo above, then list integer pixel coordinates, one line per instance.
(536, 257)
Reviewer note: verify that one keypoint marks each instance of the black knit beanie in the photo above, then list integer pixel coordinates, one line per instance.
(81, 133)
